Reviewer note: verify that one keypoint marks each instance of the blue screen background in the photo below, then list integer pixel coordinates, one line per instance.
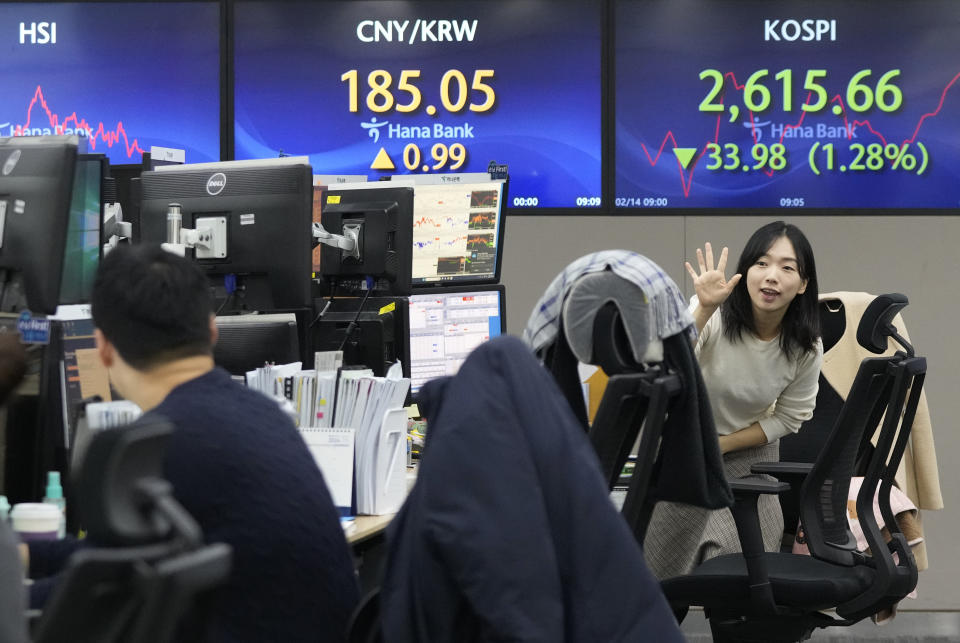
(147, 69)
(546, 124)
(662, 45)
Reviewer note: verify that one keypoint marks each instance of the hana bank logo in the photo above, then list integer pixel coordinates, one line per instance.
(216, 183)
(757, 128)
(373, 128)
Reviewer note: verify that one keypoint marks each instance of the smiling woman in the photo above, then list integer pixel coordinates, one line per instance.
(760, 357)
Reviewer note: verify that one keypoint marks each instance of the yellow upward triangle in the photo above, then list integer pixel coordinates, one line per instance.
(382, 161)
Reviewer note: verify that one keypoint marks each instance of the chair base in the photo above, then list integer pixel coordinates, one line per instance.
(780, 628)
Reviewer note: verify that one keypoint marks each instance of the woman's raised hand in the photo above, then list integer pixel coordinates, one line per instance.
(711, 283)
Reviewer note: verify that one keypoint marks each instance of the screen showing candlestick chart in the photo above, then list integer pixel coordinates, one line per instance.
(378, 88)
(124, 76)
(752, 104)
(456, 233)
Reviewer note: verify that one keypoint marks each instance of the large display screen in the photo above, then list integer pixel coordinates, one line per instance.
(755, 104)
(380, 87)
(125, 76)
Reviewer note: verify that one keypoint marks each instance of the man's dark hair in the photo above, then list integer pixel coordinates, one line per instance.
(152, 305)
(800, 327)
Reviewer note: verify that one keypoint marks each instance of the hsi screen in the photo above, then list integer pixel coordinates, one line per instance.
(123, 76)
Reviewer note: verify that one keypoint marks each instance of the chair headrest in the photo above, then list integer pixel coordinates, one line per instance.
(609, 318)
(876, 323)
(109, 480)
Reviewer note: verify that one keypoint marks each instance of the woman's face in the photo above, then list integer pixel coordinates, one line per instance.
(774, 279)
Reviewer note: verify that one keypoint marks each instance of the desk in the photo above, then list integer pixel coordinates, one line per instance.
(366, 528)
(367, 539)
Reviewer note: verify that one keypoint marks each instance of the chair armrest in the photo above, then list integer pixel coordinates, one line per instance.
(754, 487)
(746, 492)
(777, 469)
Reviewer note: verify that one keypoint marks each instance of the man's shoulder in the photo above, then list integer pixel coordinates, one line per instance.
(216, 395)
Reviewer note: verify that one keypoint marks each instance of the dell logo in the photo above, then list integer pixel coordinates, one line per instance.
(39, 33)
(805, 30)
(216, 183)
(11, 162)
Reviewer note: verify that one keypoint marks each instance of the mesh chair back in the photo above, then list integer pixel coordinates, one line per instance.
(823, 508)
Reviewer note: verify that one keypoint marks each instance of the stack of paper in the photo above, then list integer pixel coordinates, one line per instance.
(271, 380)
(381, 424)
(330, 406)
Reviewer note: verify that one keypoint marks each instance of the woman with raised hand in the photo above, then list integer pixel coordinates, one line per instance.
(760, 352)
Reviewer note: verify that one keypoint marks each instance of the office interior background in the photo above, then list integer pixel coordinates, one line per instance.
(586, 102)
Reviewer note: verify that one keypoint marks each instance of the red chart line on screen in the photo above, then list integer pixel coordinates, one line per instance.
(687, 182)
(108, 136)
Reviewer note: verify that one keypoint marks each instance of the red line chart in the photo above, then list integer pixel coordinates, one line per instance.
(108, 136)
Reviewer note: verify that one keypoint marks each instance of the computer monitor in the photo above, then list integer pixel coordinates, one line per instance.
(383, 213)
(372, 335)
(266, 208)
(36, 182)
(457, 233)
(447, 323)
(82, 253)
(247, 342)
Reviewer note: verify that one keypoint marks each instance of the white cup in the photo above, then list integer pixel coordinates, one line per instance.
(35, 521)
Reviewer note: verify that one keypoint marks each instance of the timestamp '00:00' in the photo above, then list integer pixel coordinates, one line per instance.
(641, 202)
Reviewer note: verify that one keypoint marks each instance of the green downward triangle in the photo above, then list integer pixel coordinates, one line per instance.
(684, 155)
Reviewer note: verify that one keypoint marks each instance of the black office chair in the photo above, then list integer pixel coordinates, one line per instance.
(647, 383)
(776, 596)
(364, 625)
(148, 566)
(805, 445)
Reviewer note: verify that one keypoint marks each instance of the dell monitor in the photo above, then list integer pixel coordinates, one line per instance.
(260, 216)
(36, 183)
(82, 253)
(446, 324)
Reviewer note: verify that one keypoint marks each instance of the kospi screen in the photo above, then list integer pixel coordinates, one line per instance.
(754, 104)
(123, 75)
(379, 87)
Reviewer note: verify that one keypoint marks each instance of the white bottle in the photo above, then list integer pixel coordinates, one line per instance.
(54, 496)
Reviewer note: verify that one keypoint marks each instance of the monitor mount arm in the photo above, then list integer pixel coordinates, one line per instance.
(209, 239)
(115, 229)
(349, 241)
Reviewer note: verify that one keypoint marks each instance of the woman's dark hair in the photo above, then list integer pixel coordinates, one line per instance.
(800, 327)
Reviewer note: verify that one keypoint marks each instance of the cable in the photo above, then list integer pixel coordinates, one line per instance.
(230, 285)
(225, 301)
(353, 324)
(333, 291)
